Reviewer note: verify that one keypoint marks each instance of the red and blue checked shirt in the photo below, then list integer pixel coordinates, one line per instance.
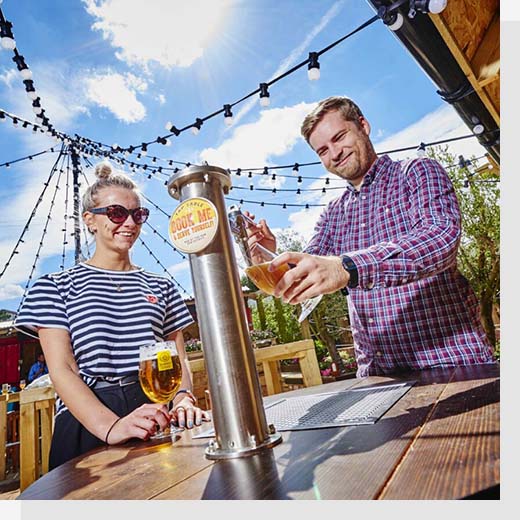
(412, 308)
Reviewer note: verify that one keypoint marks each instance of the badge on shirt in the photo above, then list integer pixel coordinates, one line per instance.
(151, 298)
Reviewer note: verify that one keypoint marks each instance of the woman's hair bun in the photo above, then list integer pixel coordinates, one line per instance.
(103, 170)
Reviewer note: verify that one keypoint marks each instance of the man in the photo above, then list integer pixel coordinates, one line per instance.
(391, 239)
(38, 369)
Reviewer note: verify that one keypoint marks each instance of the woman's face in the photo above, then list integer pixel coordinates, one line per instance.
(109, 235)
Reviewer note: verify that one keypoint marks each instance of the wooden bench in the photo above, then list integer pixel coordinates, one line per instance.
(267, 359)
(36, 425)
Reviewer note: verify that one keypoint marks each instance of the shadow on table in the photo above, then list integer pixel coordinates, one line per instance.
(258, 477)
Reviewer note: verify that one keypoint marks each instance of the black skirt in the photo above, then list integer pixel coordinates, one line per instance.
(70, 438)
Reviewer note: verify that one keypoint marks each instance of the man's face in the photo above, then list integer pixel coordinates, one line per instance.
(343, 147)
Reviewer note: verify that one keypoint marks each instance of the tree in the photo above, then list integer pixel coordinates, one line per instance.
(478, 193)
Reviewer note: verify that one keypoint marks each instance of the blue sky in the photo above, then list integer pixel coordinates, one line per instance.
(116, 72)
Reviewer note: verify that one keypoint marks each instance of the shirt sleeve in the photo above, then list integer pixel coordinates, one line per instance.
(43, 307)
(431, 243)
(177, 315)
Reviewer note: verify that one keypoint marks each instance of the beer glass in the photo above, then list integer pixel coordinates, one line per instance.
(160, 375)
(266, 280)
(259, 273)
(22, 384)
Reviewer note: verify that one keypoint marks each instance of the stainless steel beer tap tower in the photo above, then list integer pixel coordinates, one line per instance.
(238, 414)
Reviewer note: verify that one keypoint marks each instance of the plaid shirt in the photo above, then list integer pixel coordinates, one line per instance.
(412, 308)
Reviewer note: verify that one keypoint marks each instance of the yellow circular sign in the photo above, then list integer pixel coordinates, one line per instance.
(193, 225)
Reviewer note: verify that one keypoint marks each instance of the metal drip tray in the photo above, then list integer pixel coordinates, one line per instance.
(345, 408)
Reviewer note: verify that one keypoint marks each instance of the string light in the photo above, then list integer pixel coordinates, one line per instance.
(228, 115)
(7, 39)
(25, 72)
(313, 72)
(195, 129)
(478, 127)
(421, 150)
(427, 6)
(264, 95)
(37, 108)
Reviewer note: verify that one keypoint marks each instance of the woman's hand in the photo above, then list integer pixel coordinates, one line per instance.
(186, 414)
(141, 423)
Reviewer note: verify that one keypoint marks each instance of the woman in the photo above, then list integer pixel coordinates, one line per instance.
(91, 320)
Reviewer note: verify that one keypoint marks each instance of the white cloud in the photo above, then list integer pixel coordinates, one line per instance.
(443, 123)
(161, 99)
(117, 93)
(274, 134)
(169, 32)
(8, 77)
(179, 268)
(10, 291)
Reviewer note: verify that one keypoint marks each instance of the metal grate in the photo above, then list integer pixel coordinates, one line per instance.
(346, 408)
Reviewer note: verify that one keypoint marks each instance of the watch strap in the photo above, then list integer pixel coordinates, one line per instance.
(350, 267)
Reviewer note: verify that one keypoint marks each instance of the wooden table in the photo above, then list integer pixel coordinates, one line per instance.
(441, 440)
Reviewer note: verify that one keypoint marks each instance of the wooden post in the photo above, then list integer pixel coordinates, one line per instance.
(3, 435)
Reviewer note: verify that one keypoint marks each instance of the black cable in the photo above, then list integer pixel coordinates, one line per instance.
(33, 213)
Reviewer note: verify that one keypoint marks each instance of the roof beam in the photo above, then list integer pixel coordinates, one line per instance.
(465, 65)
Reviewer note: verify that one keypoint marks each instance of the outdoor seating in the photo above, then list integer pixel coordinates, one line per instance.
(268, 359)
(36, 424)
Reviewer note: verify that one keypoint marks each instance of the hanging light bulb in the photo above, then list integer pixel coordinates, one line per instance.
(228, 115)
(144, 149)
(397, 22)
(25, 72)
(313, 71)
(437, 6)
(37, 108)
(2, 117)
(421, 150)
(478, 127)
(29, 88)
(195, 129)
(7, 38)
(264, 95)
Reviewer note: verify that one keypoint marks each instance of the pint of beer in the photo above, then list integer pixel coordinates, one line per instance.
(264, 279)
(160, 371)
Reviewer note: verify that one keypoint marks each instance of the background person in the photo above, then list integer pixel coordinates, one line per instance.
(38, 369)
(91, 320)
(391, 239)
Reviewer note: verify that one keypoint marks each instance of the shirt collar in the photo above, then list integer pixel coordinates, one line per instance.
(378, 166)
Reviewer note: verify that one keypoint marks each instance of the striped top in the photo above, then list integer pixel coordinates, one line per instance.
(106, 326)
(412, 308)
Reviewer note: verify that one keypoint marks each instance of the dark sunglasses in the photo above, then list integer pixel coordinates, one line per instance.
(118, 214)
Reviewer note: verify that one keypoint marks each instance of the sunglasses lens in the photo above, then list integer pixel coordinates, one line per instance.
(117, 214)
(140, 215)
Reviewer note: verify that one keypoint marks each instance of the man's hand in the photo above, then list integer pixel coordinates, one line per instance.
(259, 234)
(312, 275)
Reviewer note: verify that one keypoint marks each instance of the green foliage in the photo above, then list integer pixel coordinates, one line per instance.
(479, 252)
(285, 326)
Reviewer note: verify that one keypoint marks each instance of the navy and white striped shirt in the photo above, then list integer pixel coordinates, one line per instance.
(106, 326)
(412, 308)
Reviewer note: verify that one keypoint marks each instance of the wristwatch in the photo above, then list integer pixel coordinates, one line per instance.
(350, 267)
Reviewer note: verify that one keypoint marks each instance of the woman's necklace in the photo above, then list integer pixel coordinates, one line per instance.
(118, 286)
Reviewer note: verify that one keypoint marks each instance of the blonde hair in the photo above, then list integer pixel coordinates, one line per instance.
(107, 177)
(344, 105)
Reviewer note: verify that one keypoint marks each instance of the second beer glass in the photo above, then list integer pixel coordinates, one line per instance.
(160, 374)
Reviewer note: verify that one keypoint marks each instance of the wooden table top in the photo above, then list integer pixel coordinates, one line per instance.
(441, 440)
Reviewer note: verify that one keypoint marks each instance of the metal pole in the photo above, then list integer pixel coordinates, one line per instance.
(200, 227)
(76, 216)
